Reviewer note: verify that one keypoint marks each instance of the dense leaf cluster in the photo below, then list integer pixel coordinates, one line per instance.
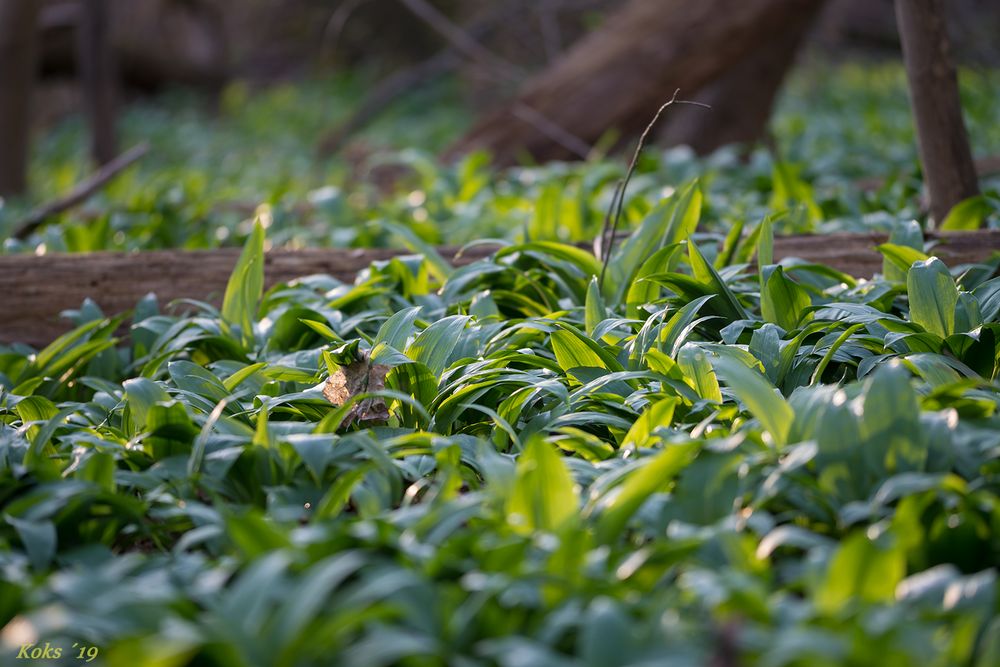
(694, 460)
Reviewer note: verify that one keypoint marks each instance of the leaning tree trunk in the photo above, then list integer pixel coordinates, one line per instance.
(17, 74)
(616, 77)
(944, 144)
(743, 97)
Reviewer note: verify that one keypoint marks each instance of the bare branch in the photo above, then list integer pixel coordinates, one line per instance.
(618, 206)
(82, 192)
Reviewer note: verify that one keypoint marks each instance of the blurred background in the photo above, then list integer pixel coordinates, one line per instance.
(380, 122)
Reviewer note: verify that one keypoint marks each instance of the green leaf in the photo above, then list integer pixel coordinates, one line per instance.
(898, 260)
(968, 215)
(758, 395)
(860, 571)
(903, 235)
(141, 394)
(933, 296)
(39, 539)
(791, 189)
(643, 291)
(658, 414)
(765, 244)
(438, 265)
(237, 378)
(649, 476)
(573, 352)
(245, 287)
(335, 499)
(727, 305)
(254, 535)
(544, 497)
(582, 259)
(396, 331)
(594, 310)
(435, 345)
(783, 301)
(671, 221)
(171, 430)
(699, 371)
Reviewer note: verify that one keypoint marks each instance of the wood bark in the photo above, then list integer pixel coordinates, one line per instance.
(38, 289)
(617, 76)
(741, 98)
(98, 78)
(18, 64)
(949, 172)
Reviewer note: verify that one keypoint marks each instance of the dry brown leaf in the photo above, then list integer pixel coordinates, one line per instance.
(358, 378)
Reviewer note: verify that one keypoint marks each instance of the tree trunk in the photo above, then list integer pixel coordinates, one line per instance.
(17, 74)
(742, 98)
(98, 78)
(616, 77)
(153, 42)
(944, 144)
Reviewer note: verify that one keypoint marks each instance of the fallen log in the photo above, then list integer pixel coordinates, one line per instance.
(37, 289)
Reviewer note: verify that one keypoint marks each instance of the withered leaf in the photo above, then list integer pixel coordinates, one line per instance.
(356, 378)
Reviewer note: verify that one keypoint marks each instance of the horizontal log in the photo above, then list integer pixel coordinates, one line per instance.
(37, 289)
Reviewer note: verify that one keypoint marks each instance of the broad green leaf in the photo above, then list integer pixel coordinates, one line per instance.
(790, 189)
(642, 291)
(758, 395)
(39, 540)
(583, 260)
(727, 304)
(544, 496)
(933, 296)
(899, 259)
(339, 493)
(699, 372)
(765, 244)
(246, 287)
(903, 235)
(594, 310)
(572, 352)
(671, 221)
(237, 378)
(396, 331)
(783, 301)
(652, 474)
(860, 571)
(658, 414)
(254, 535)
(435, 345)
(437, 264)
(968, 214)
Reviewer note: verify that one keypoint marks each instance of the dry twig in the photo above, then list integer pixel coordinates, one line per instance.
(617, 206)
(83, 191)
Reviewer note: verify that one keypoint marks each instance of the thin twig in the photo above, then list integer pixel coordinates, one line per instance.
(552, 130)
(618, 206)
(491, 63)
(462, 40)
(384, 93)
(602, 245)
(83, 191)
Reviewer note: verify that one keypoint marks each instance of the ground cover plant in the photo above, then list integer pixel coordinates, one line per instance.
(696, 456)
(207, 176)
